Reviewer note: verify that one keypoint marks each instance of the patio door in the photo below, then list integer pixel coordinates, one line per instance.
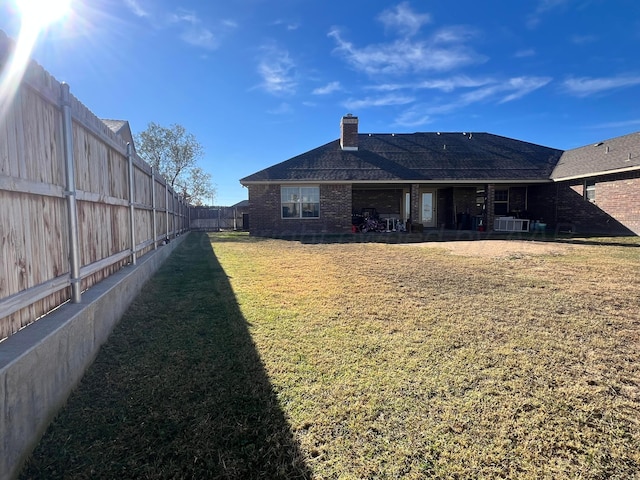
(428, 208)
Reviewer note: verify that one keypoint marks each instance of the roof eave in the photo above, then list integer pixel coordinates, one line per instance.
(596, 174)
(386, 182)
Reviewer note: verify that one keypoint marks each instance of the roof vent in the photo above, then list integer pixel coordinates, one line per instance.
(597, 144)
(629, 157)
(607, 149)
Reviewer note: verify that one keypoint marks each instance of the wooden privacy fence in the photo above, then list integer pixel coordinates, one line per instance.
(76, 203)
(212, 219)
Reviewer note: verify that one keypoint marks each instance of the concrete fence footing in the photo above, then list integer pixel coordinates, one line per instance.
(41, 364)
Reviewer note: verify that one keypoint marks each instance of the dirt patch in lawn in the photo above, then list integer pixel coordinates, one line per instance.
(502, 248)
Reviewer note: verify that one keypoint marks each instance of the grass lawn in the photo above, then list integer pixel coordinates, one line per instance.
(254, 358)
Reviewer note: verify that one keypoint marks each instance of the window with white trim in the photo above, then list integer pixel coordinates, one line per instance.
(501, 201)
(590, 190)
(300, 202)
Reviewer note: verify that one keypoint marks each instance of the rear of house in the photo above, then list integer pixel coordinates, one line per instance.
(435, 180)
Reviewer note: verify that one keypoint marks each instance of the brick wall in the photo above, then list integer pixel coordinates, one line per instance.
(616, 209)
(620, 198)
(560, 205)
(265, 218)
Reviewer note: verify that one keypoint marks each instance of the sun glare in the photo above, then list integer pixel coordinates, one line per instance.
(40, 13)
(36, 15)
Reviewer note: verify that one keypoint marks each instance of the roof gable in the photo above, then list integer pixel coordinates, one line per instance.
(122, 129)
(421, 157)
(610, 156)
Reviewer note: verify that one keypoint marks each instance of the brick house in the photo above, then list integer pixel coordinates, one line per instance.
(437, 180)
(598, 187)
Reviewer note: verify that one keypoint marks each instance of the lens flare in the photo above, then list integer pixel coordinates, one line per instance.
(36, 15)
(41, 13)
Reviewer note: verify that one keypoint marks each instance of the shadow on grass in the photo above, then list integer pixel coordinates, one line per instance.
(178, 391)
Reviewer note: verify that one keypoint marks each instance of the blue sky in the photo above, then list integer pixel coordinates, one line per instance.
(259, 81)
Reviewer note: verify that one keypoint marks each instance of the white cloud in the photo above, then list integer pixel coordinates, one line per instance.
(327, 89)
(443, 53)
(403, 19)
(136, 8)
(585, 86)
(454, 34)
(384, 101)
(189, 26)
(583, 39)
(413, 118)
(193, 31)
(544, 7)
(290, 26)
(621, 124)
(496, 92)
(518, 87)
(453, 83)
(507, 91)
(200, 37)
(282, 109)
(528, 52)
(184, 16)
(442, 84)
(277, 70)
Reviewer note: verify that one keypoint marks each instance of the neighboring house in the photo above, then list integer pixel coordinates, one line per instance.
(447, 181)
(121, 128)
(241, 215)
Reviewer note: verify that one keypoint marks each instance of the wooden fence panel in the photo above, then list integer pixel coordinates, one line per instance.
(35, 272)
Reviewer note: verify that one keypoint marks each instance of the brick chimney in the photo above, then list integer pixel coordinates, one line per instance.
(349, 132)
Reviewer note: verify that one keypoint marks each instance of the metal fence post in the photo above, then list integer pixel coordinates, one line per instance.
(173, 213)
(132, 212)
(153, 208)
(72, 208)
(166, 207)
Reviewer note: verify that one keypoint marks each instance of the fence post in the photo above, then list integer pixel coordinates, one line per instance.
(153, 208)
(70, 193)
(166, 207)
(173, 213)
(132, 212)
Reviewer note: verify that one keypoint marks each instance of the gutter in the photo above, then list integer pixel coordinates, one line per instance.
(399, 182)
(597, 174)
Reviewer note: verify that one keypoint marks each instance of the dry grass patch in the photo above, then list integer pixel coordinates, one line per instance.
(405, 361)
(251, 358)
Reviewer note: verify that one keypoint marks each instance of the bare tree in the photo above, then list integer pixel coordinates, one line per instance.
(174, 153)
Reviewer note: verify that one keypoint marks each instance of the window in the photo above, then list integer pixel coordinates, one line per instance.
(300, 202)
(501, 202)
(590, 190)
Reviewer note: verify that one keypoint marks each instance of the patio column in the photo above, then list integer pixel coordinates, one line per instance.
(415, 203)
(491, 195)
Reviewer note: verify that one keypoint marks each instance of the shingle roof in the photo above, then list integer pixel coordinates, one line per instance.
(114, 125)
(418, 157)
(616, 154)
(121, 128)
